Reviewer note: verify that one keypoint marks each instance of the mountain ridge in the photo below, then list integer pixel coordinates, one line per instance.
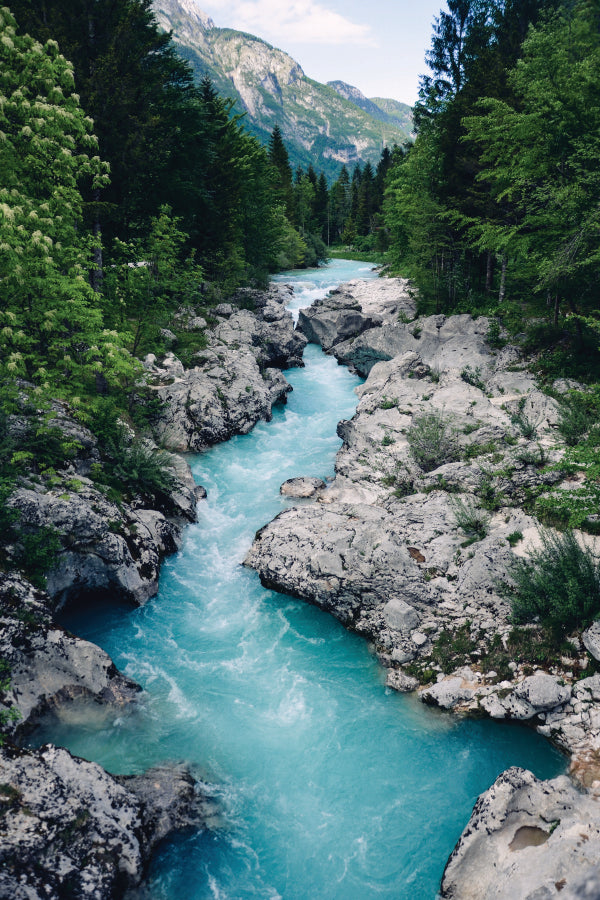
(319, 124)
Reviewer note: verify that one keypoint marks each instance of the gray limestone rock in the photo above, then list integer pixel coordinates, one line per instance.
(447, 693)
(399, 615)
(542, 691)
(591, 639)
(71, 829)
(301, 488)
(526, 838)
(51, 671)
(236, 380)
(401, 682)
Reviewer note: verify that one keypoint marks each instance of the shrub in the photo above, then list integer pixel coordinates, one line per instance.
(451, 650)
(493, 336)
(559, 584)
(514, 537)
(432, 441)
(525, 426)
(577, 414)
(471, 519)
(145, 469)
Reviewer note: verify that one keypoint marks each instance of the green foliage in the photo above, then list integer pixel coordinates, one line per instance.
(8, 714)
(453, 649)
(473, 377)
(525, 426)
(514, 537)
(491, 498)
(473, 450)
(36, 553)
(559, 585)
(578, 412)
(51, 329)
(144, 469)
(493, 336)
(132, 465)
(432, 441)
(536, 458)
(147, 282)
(531, 647)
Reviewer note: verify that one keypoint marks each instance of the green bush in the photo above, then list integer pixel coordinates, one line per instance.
(559, 584)
(432, 441)
(577, 414)
(144, 469)
(453, 649)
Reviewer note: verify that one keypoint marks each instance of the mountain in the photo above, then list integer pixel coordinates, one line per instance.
(319, 123)
(399, 112)
(392, 112)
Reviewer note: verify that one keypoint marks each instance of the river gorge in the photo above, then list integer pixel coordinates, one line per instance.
(325, 783)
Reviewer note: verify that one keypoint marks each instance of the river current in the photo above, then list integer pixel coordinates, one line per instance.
(331, 786)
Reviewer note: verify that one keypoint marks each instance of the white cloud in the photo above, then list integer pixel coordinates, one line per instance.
(299, 21)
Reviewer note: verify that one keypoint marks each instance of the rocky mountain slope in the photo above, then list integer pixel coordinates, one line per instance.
(392, 112)
(326, 125)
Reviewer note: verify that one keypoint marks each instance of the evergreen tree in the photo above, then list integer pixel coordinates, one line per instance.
(278, 157)
(541, 158)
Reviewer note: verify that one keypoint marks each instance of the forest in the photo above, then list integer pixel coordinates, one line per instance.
(495, 207)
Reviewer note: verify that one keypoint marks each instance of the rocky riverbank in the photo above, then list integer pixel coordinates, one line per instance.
(411, 543)
(66, 826)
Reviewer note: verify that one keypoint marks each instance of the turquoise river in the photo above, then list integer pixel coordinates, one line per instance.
(331, 787)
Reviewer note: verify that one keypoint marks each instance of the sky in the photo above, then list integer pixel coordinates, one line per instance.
(378, 46)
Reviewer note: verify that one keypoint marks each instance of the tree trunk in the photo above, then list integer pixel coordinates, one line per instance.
(489, 272)
(502, 291)
(556, 305)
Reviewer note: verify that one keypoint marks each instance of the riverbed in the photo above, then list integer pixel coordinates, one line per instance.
(330, 785)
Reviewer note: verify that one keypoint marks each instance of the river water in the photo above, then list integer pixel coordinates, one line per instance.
(332, 787)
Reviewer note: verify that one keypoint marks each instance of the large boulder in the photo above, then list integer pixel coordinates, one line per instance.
(525, 839)
(69, 829)
(49, 669)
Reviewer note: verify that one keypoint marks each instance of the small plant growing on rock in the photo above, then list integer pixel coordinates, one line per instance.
(145, 469)
(493, 335)
(432, 441)
(514, 537)
(472, 377)
(559, 584)
(453, 649)
(471, 519)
